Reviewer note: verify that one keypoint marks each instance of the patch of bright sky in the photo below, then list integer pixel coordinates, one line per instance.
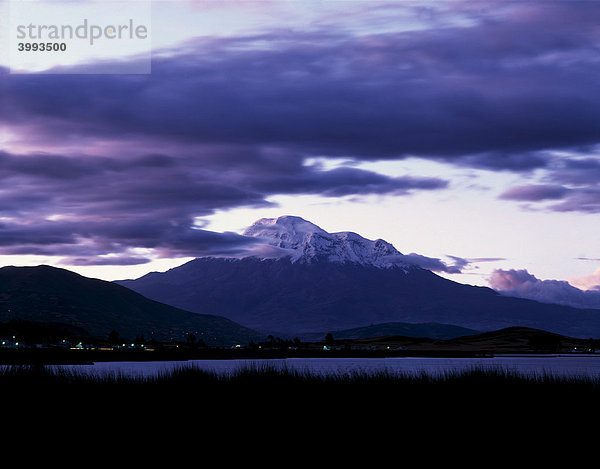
(103, 272)
(174, 22)
(74, 24)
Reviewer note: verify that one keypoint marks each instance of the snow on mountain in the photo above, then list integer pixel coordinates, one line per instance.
(305, 242)
(331, 285)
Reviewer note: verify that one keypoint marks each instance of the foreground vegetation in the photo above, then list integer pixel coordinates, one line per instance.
(260, 403)
(256, 380)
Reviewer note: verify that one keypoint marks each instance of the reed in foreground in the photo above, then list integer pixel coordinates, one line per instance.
(255, 394)
(265, 376)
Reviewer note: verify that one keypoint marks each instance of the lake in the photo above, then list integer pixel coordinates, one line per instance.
(557, 365)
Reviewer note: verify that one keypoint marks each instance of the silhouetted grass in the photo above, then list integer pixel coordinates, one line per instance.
(266, 376)
(257, 393)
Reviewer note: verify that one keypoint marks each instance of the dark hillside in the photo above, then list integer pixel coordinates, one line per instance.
(48, 294)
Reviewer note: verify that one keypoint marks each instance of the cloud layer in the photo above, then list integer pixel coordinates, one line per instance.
(494, 94)
(77, 205)
(522, 284)
(98, 165)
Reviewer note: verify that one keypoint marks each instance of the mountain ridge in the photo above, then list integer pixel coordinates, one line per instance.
(295, 298)
(50, 294)
(430, 330)
(304, 242)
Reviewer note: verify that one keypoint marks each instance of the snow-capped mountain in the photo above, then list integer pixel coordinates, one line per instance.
(305, 242)
(309, 280)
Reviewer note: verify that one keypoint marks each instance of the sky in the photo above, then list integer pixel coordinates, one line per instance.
(467, 132)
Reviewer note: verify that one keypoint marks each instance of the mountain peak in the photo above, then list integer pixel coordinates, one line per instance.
(305, 242)
(287, 223)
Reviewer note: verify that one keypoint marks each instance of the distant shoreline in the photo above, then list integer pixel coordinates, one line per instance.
(35, 357)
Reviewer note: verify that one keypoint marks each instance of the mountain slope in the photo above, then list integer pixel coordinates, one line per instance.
(49, 294)
(324, 282)
(276, 295)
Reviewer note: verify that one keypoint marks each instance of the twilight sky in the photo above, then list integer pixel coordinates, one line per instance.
(467, 132)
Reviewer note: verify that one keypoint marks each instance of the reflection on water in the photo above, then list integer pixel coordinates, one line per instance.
(557, 365)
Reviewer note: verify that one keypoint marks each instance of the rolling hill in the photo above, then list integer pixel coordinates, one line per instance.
(430, 330)
(52, 295)
(509, 340)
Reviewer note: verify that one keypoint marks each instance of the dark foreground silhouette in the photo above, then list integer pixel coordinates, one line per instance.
(258, 410)
(259, 390)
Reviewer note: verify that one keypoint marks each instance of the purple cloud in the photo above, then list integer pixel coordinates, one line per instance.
(522, 284)
(580, 199)
(535, 192)
(433, 263)
(578, 171)
(492, 94)
(121, 260)
(132, 160)
(94, 206)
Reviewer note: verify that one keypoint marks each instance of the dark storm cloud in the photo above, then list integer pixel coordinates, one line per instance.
(188, 185)
(508, 161)
(34, 234)
(83, 186)
(345, 181)
(230, 122)
(53, 166)
(82, 239)
(492, 94)
(109, 205)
